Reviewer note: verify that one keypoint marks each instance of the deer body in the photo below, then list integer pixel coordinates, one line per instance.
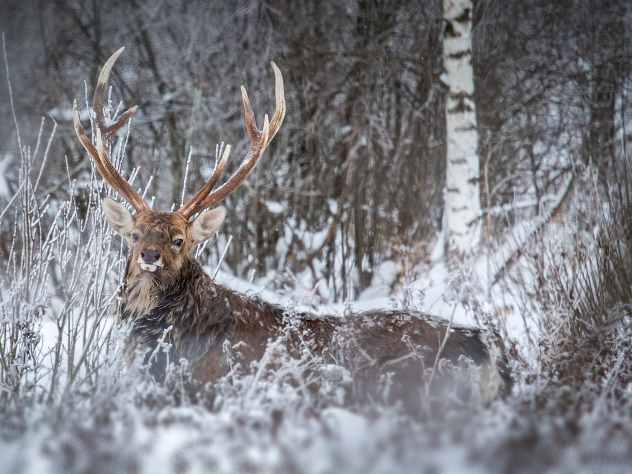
(168, 297)
(197, 316)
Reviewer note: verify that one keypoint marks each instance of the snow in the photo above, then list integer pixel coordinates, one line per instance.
(275, 207)
(5, 192)
(293, 301)
(66, 114)
(384, 278)
(524, 231)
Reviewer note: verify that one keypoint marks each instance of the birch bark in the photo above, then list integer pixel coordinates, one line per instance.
(462, 195)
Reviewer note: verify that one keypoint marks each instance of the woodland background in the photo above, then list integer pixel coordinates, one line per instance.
(347, 206)
(356, 177)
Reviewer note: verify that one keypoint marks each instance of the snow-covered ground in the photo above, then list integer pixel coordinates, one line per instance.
(133, 425)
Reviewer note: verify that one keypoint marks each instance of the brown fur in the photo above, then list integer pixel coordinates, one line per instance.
(155, 231)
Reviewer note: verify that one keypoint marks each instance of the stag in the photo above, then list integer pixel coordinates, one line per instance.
(167, 296)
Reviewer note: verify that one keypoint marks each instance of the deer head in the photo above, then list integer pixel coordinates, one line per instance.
(160, 242)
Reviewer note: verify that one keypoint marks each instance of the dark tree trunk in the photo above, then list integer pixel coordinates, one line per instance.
(608, 43)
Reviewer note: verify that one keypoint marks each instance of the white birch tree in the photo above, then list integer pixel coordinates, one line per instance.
(462, 199)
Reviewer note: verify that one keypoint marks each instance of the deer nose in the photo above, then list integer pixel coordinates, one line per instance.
(150, 256)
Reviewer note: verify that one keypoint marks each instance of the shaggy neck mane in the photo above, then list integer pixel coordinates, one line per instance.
(193, 313)
(143, 292)
(191, 299)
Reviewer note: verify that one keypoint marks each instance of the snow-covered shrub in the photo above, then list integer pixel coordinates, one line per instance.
(590, 347)
(57, 290)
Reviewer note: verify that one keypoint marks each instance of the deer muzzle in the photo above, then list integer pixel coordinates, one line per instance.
(150, 260)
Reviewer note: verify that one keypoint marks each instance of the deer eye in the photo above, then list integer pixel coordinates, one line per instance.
(135, 237)
(177, 243)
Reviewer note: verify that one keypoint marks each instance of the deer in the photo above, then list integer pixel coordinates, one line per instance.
(167, 296)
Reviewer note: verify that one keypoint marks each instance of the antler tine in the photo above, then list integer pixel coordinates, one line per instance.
(192, 206)
(279, 98)
(244, 170)
(103, 134)
(99, 96)
(259, 141)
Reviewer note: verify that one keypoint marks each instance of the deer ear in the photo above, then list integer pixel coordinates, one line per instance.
(118, 216)
(206, 224)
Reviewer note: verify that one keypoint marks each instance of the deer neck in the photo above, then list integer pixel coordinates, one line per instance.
(194, 307)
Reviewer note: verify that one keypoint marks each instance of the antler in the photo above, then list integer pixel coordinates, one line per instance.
(259, 141)
(104, 134)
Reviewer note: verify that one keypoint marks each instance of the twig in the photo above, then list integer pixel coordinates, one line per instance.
(221, 259)
(440, 351)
